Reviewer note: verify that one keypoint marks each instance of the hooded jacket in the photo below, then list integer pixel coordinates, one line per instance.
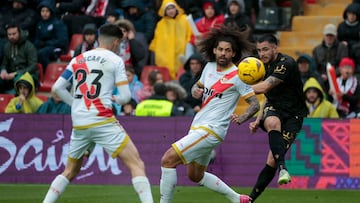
(322, 108)
(51, 32)
(187, 80)
(143, 21)
(347, 31)
(20, 57)
(312, 70)
(170, 39)
(180, 108)
(31, 103)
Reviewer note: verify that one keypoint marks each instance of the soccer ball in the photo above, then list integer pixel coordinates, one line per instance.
(251, 70)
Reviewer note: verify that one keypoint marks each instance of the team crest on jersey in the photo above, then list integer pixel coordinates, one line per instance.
(280, 70)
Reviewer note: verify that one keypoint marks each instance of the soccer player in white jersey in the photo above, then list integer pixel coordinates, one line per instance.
(220, 89)
(93, 75)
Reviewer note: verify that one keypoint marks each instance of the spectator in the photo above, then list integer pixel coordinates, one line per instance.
(316, 102)
(134, 84)
(176, 94)
(172, 33)
(21, 15)
(349, 29)
(191, 7)
(131, 50)
(154, 77)
(212, 17)
(156, 105)
(26, 102)
(236, 18)
(54, 105)
(51, 36)
(128, 109)
(349, 95)
(97, 8)
(144, 21)
(20, 56)
(112, 17)
(193, 69)
(307, 69)
(329, 51)
(72, 12)
(70, 7)
(89, 39)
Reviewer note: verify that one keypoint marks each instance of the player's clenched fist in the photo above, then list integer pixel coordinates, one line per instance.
(197, 92)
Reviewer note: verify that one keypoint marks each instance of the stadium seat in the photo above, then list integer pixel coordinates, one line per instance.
(4, 100)
(147, 69)
(333, 1)
(41, 72)
(332, 9)
(180, 72)
(76, 39)
(308, 23)
(296, 39)
(53, 71)
(43, 97)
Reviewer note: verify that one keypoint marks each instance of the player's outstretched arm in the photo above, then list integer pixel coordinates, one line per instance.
(266, 85)
(253, 108)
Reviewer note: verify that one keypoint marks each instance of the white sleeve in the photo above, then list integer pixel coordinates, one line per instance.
(60, 89)
(125, 94)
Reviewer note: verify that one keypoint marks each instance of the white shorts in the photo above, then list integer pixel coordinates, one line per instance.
(111, 136)
(196, 146)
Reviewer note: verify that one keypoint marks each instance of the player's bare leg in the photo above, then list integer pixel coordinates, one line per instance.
(168, 175)
(131, 158)
(196, 173)
(61, 181)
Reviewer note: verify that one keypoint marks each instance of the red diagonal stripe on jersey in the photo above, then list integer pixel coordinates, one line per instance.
(219, 87)
(80, 64)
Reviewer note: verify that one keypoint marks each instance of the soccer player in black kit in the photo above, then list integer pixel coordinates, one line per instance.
(283, 111)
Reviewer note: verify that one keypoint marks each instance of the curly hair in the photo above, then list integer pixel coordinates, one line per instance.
(238, 40)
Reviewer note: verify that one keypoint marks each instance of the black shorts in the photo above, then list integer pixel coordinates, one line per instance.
(290, 124)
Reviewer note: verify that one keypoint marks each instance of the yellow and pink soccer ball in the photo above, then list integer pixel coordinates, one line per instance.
(251, 70)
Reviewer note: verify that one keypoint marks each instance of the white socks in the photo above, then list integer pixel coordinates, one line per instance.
(143, 189)
(216, 184)
(167, 184)
(57, 187)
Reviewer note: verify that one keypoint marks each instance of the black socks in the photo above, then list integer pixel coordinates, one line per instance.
(277, 147)
(265, 177)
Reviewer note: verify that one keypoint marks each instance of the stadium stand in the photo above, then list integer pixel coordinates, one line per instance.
(76, 39)
(306, 31)
(4, 100)
(52, 72)
(147, 69)
(41, 72)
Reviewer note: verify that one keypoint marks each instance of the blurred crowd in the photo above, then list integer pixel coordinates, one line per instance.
(158, 33)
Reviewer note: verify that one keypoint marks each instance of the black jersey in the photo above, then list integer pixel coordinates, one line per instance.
(288, 95)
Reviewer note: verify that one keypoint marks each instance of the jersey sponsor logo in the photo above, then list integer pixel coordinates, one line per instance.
(211, 92)
(217, 89)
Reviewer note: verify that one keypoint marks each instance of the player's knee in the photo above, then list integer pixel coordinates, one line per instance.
(272, 123)
(271, 162)
(167, 159)
(195, 177)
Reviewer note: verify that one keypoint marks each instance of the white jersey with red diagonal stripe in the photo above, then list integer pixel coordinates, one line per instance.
(222, 90)
(94, 75)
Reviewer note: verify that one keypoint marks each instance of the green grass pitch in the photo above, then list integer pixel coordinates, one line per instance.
(34, 193)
